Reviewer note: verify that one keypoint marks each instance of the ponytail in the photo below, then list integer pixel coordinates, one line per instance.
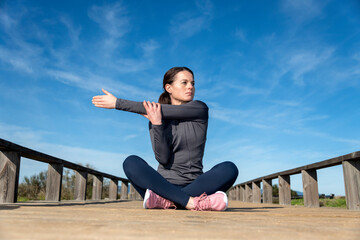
(165, 98)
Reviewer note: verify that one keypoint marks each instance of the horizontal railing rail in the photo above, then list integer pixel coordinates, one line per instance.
(10, 154)
(250, 191)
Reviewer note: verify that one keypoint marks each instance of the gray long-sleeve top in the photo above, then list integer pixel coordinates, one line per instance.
(179, 142)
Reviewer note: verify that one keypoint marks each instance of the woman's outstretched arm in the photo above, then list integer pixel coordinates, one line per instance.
(104, 101)
(194, 110)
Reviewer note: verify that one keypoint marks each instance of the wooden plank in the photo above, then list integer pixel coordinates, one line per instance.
(113, 189)
(256, 192)
(9, 176)
(80, 185)
(284, 190)
(124, 190)
(53, 182)
(97, 187)
(351, 171)
(310, 188)
(267, 191)
(248, 193)
(242, 193)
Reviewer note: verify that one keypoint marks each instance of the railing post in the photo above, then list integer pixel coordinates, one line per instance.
(310, 188)
(248, 193)
(97, 187)
(9, 176)
(256, 192)
(351, 171)
(284, 190)
(53, 182)
(267, 190)
(113, 189)
(124, 190)
(132, 192)
(137, 195)
(237, 193)
(231, 193)
(80, 185)
(242, 193)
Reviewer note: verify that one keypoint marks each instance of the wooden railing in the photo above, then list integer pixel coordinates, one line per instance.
(250, 191)
(11, 153)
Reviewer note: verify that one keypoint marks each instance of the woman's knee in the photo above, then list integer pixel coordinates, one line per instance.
(230, 168)
(131, 162)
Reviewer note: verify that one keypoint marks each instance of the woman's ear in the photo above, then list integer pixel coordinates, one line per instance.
(168, 88)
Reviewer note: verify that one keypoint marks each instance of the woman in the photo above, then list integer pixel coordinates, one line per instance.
(178, 127)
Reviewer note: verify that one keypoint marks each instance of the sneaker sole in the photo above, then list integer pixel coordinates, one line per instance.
(146, 197)
(225, 199)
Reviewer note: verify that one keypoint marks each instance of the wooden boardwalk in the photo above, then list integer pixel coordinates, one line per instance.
(128, 220)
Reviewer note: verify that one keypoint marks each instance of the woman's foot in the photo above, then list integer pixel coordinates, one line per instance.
(214, 202)
(154, 201)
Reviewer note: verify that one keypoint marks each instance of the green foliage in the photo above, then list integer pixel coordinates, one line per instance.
(275, 191)
(33, 188)
(297, 202)
(68, 185)
(336, 202)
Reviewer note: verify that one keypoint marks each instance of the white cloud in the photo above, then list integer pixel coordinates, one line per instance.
(240, 34)
(304, 10)
(149, 47)
(95, 83)
(245, 90)
(74, 33)
(7, 21)
(237, 117)
(205, 6)
(187, 24)
(301, 63)
(111, 18)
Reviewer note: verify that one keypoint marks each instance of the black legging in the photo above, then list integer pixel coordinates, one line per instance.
(220, 178)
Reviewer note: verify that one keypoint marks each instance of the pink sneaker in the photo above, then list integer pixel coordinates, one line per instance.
(154, 201)
(214, 202)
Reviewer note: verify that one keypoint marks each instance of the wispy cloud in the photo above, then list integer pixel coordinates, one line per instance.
(74, 32)
(245, 90)
(240, 34)
(113, 20)
(29, 49)
(301, 63)
(302, 11)
(95, 83)
(187, 24)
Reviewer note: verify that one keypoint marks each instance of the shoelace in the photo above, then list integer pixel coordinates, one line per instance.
(164, 203)
(202, 202)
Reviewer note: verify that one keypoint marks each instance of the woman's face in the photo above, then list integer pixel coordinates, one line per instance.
(182, 90)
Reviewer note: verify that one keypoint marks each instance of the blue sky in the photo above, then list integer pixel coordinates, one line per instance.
(281, 79)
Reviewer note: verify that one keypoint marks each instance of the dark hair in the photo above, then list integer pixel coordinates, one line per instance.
(169, 79)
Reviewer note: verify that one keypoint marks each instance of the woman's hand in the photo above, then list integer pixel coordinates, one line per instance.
(153, 112)
(104, 101)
